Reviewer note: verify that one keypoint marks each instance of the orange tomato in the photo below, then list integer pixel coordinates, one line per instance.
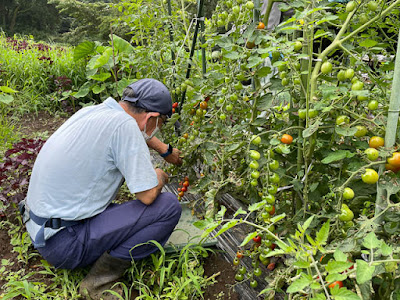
(394, 160)
(261, 25)
(181, 194)
(392, 168)
(186, 184)
(376, 142)
(203, 105)
(333, 284)
(287, 139)
(185, 135)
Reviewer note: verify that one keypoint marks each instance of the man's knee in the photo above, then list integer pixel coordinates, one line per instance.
(171, 204)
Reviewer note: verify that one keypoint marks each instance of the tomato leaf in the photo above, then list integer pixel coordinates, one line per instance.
(337, 266)
(240, 211)
(386, 249)
(345, 131)
(339, 255)
(248, 238)
(371, 241)
(364, 271)
(337, 156)
(257, 206)
(254, 61)
(323, 234)
(226, 226)
(343, 294)
(301, 264)
(264, 71)
(310, 130)
(335, 277)
(232, 55)
(368, 43)
(299, 284)
(278, 218)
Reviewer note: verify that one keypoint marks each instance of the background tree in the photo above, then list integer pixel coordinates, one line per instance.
(35, 17)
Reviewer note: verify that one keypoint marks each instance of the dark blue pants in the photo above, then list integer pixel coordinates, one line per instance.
(117, 230)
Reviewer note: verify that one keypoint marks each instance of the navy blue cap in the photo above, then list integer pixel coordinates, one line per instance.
(151, 95)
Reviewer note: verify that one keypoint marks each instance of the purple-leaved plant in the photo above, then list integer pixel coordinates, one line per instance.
(16, 168)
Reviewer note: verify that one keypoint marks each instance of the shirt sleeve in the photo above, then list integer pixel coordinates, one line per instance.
(131, 156)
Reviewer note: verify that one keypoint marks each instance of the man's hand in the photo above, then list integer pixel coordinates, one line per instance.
(162, 177)
(175, 157)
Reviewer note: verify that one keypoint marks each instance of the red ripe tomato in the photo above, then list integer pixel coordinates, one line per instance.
(184, 189)
(186, 179)
(333, 284)
(179, 189)
(271, 266)
(287, 139)
(272, 211)
(257, 239)
(186, 184)
(207, 98)
(239, 254)
(175, 105)
(273, 246)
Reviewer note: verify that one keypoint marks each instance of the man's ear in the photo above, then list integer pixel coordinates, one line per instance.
(151, 114)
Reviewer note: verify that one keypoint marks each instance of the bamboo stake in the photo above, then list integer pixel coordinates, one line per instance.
(391, 130)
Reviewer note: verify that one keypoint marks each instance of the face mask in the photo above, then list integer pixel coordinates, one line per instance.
(148, 137)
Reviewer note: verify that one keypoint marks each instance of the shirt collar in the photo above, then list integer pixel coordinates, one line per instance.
(112, 103)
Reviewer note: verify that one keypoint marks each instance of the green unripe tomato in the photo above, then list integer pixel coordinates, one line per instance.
(373, 105)
(272, 189)
(250, 5)
(254, 154)
(361, 131)
(269, 198)
(349, 73)
(257, 271)
(268, 208)
(273, 165)
(274, 178)
(362, 98)
(357, 86)
(239, 277)
(254, 165)
(254, 182)
(302, 114)
(350, 6)
(370, 176)
(229, 107)
(233, 97)
(238, 86)
(253, 283)
(285, 81)
(255, 140)
(373, 5)
(348, 193)
(255, 174)
(354, 79)
(345, 214)
(297, 46)
(363, 19)
(283, 74)
(236, 9)
(312, 113)
(341, 75)
(372, 154)
(340, 120)
(326, 67)
(222, 116)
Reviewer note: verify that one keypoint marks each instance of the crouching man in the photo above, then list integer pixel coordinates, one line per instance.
(77, 174)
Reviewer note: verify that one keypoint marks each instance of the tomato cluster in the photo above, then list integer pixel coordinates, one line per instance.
(183, 187)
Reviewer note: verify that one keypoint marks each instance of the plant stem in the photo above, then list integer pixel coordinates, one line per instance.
(391, 130)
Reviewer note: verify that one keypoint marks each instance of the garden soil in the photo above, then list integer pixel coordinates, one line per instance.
(43, 124)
